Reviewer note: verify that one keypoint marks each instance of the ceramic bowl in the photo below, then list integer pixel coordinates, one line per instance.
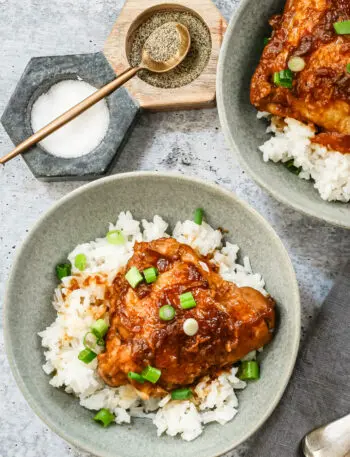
(82, 216)
(239, 56)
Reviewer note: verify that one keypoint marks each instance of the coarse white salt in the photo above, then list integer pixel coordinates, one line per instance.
(78, 137)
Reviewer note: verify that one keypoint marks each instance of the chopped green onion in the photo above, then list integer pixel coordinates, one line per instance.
(151, 374)
(99, 328)
(115, 237)
(63, 270)
(136, 377)
(134, 277)
(181, 394)
(266, 41)
(166, 313)
(198, 216)
(296, 63)
(187, 301)
(150, 274)
(90, 340)
(283, 78)
(286, 75)
(342, 28)
(249, 371)
(104, 416)
(348, 67)
(80, 262)
(190, 327)
(291, 167)
(87, 355)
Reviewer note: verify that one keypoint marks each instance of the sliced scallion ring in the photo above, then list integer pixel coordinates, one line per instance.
(291, 167)
(90, 340)
(166, 313)
(296, 63)
(104, 417)
(198, 216)
(342, 28)
(181, 394)
(187, 301)
(63, 270)
(80, 262)
(283, 78)
(136, 377)
(151, 374)
(348, 67)
(134, 277)
(150, 274)
(87, 355)
(249, 371)
(99, 328)
(115, 237)
(190, 326)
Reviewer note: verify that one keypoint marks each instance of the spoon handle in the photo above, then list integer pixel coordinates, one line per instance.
(72, 113)
(331, 440)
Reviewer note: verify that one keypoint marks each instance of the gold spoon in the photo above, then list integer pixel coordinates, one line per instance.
(147, 63)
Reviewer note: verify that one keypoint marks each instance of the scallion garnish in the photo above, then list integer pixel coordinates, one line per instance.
(99, 328)
(104, 416)
(190, 326)
(198, 216)
(150, 274)
(90, 341)
(291, 167)
(151, 374)
(249, 370)
(134, 277)
(266, 41)
(166, 313)
(181, 394)
(296, 63)
(348, 67)
(87, 355)
(136, 377)
(80, 262)
(342, 28)
(187, 301)
(115, 237)
(283, 78)
(63, 270)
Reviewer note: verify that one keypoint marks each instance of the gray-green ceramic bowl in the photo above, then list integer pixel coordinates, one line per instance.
(81, 216)
(239, 56)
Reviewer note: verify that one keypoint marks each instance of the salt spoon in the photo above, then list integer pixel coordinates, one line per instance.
(147, 63)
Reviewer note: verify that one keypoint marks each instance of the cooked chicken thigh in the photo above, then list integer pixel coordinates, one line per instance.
(232, 321)
(321, 91)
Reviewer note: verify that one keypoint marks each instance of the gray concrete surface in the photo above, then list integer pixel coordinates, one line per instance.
(188, 142)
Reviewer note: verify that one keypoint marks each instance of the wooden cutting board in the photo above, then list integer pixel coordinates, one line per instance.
(200, 93)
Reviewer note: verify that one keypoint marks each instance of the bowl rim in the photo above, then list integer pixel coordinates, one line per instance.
(31, 400)
(233, 145)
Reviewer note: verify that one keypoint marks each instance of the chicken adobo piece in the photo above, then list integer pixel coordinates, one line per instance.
(304, 71)
(232, 321)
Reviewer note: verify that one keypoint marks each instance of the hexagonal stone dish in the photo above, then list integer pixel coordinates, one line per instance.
(40, 74)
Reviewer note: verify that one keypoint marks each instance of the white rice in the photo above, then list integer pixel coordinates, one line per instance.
(330, 170)
(215, 401)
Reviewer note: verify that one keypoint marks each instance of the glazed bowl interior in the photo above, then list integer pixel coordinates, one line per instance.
(83, 215)
(239, 56)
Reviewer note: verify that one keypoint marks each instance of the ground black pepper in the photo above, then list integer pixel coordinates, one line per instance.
(196, 60)
(163, 43)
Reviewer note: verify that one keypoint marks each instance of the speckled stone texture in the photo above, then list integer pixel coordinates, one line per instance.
(189, 142)
(40, 74)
